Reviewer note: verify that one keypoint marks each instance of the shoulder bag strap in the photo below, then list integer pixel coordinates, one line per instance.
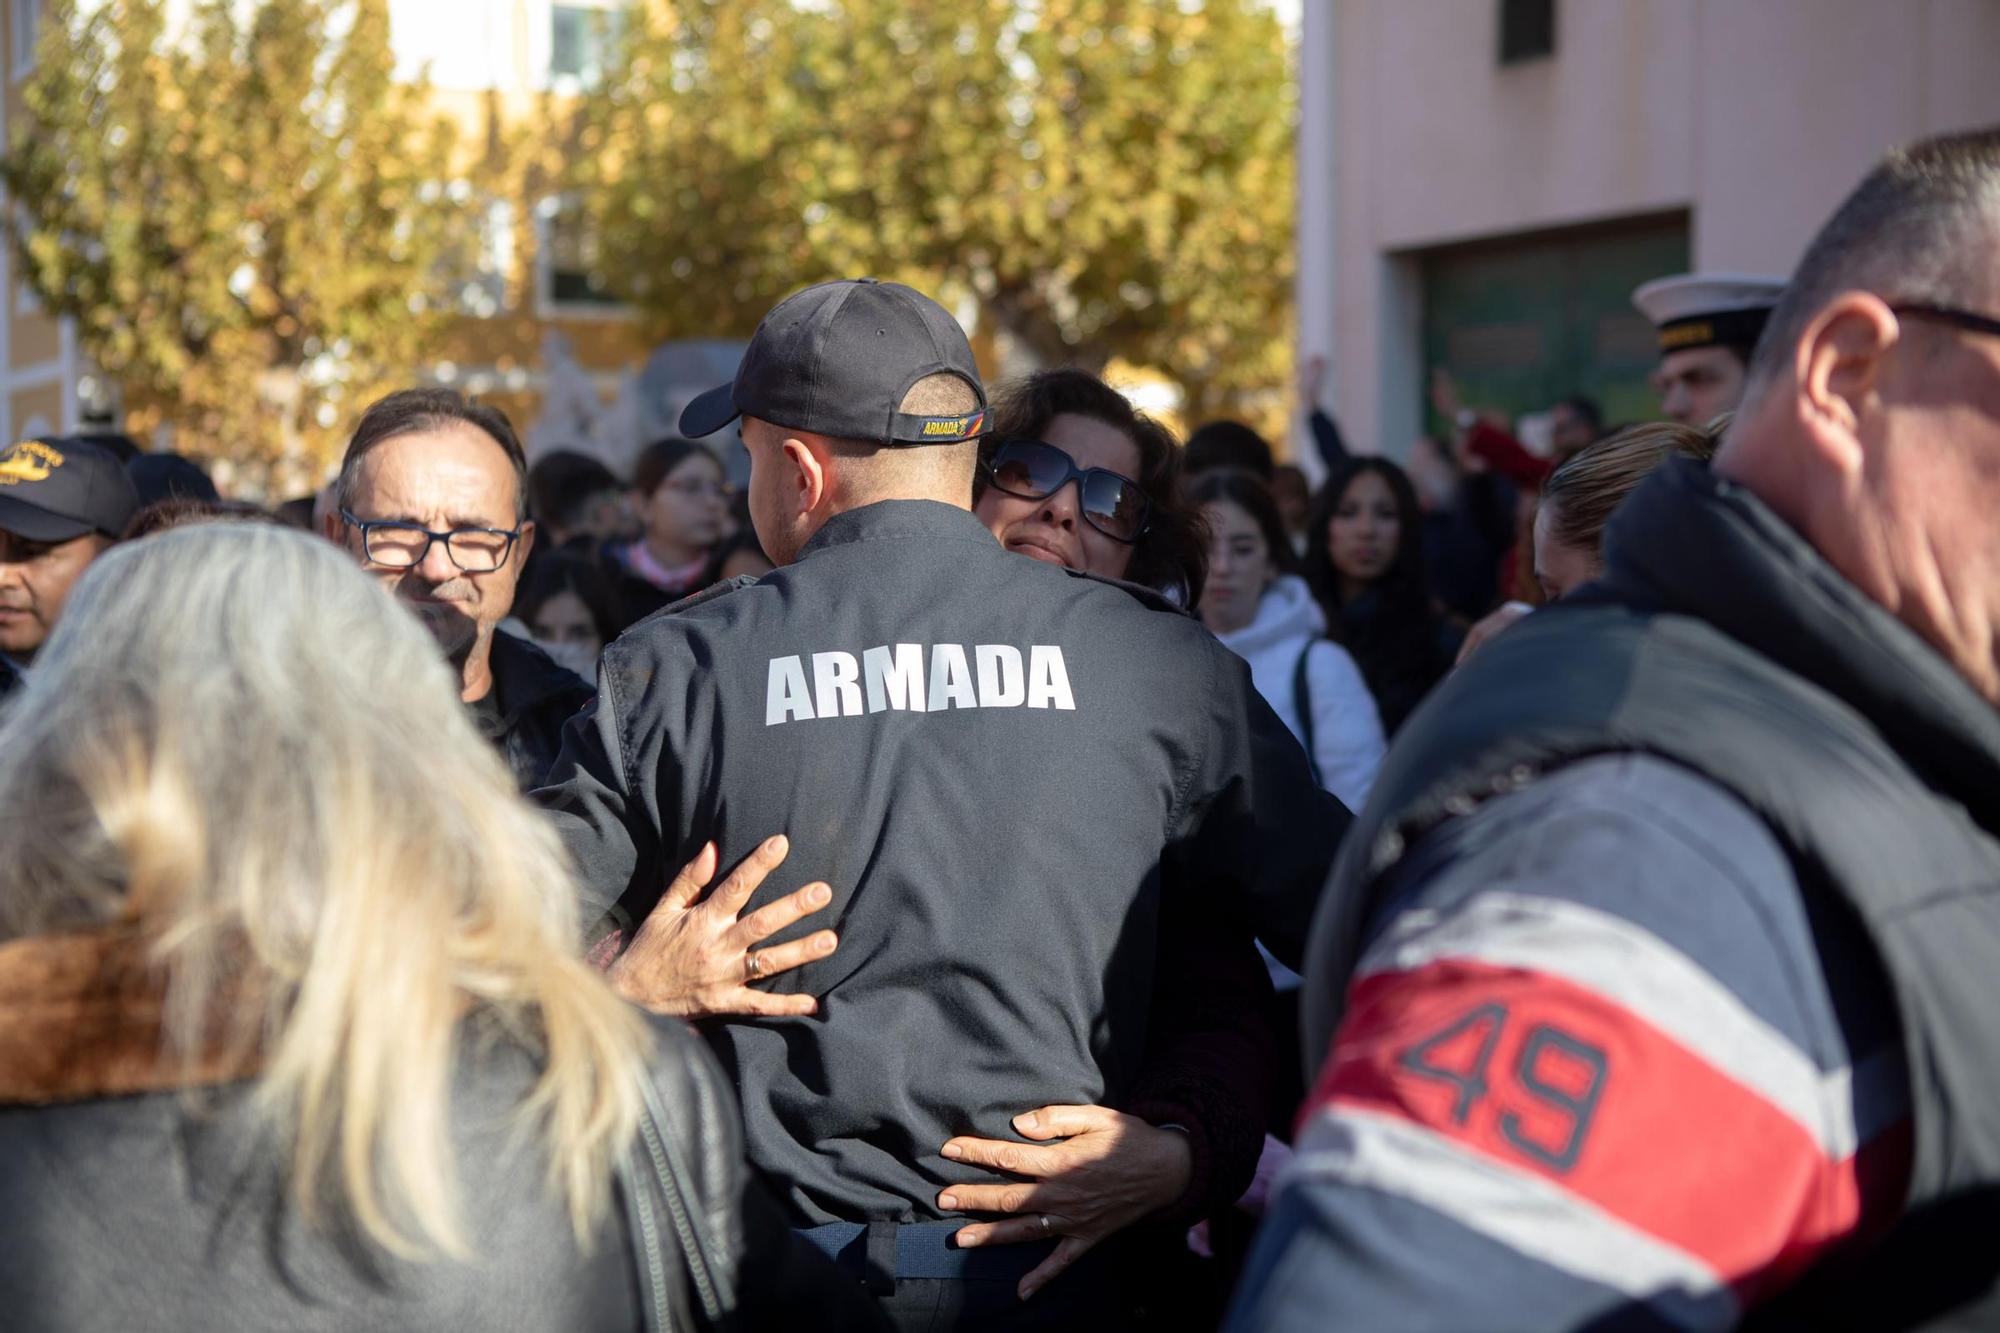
(1302, 704)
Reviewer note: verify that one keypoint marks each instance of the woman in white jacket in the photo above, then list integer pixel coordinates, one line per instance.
(1264, 613)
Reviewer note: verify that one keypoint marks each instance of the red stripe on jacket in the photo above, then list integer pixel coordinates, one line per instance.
(1580, 1091)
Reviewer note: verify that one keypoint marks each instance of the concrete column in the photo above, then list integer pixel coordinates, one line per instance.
(1315, 226)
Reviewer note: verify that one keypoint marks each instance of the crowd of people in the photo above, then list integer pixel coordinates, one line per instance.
(1008, 867)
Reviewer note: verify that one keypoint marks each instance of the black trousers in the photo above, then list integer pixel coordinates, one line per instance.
(1144, 1279)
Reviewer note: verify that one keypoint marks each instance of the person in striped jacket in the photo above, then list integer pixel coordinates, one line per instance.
(1655, 987)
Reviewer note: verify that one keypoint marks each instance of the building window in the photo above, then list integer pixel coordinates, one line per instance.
(1527, 30)
(582, 39)
(571, 262)
(27, 16)
(478, 271)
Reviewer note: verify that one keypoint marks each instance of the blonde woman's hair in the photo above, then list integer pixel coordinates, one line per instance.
(1582, 494)
(240, 746)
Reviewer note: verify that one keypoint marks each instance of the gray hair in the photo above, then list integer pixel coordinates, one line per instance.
(1920, 228)
(236, 743)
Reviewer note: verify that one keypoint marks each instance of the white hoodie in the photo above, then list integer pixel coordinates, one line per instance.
(1347, 730)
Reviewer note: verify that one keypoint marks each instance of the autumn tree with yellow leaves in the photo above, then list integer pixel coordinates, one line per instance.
(239, 206)
(1099, 178)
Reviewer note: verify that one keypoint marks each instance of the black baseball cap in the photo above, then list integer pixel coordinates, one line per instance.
(57, 489)
(158, 477)
(837, 359)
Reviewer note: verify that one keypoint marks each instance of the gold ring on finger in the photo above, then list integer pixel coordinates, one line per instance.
(753, 964)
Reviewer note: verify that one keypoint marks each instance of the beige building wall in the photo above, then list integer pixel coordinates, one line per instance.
(35, 411)
(1753, 116)
(39, 362)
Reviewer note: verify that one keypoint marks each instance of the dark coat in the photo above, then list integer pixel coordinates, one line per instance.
(126, 1203)
(1000, 767)
(535, 697)
(1720, 641)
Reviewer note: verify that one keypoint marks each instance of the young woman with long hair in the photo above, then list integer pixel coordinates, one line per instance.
(1264, 613)
(1365, 562)
(684, 504)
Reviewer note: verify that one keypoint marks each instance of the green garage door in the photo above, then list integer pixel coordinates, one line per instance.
(1523, 322)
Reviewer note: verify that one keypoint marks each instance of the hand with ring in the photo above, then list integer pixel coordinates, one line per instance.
(1095, 1172)
(694, 956)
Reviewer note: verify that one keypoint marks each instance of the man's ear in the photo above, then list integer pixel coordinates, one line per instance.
(524, 545)
(810, 478)
(334, 528)
(1840, 362)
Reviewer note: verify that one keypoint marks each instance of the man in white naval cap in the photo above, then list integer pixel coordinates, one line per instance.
(1708, 323)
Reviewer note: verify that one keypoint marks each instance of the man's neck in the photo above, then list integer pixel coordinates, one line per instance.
(1893, 564)
(847, 502)
(475, 673)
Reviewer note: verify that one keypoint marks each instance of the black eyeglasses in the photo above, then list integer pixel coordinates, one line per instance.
(398, 545)
(1034, 470)
(1944, 314)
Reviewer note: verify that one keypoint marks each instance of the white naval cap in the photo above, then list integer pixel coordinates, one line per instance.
(1708, 309)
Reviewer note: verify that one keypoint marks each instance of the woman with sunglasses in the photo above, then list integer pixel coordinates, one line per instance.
(1074, 476)
(1124, 517)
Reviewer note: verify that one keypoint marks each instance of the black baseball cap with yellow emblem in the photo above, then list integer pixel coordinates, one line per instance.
(57, 489)
(837, 359)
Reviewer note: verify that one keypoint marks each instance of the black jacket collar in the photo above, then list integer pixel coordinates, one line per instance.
(891, 520)
(1690, 542)
(524, 677)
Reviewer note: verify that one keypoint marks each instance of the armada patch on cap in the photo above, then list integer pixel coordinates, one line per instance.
(938, 430)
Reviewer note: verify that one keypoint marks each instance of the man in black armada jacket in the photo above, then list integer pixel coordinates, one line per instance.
(1657, 985)
(987, 758)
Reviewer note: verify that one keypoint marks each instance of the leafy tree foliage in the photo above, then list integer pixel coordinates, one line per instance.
(1102, 178)
(246, 215)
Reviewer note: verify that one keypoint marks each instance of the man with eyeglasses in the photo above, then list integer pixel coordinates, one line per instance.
(432, 499)
(991, 772)
(1657, 987)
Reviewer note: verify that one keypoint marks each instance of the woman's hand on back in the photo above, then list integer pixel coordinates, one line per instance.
(1105, 1171)
(695, 956)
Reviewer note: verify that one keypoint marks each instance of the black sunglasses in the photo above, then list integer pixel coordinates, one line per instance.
(1035, 470)
(1944, 314)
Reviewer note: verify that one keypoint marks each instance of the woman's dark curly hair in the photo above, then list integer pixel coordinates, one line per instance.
(1172, 554)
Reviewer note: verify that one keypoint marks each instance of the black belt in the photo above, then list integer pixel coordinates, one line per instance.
(881, 1252)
